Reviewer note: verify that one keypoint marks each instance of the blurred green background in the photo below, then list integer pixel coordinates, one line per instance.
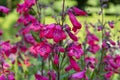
(7, 22)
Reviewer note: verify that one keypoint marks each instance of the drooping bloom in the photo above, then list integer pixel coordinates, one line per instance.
(94, 48)
(74, 21)
(71, 35)
(4, 9)
(79, 12)
(42, 48)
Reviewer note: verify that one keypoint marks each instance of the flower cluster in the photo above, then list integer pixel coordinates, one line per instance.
(54, 51)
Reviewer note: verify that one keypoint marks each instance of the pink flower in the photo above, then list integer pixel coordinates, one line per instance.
(75, 23)
(29, 38)
(79, 12)
(1, 32)
(42, 48)
(56, 59)
(111, 24)
(68, 68)
(80, 75)
(75, 50)
(21, 8)
(74, 65)
(94, 48)
(39, 77)
(11, 77)
(112, 42)
(4, 9)
(2, 77)
(53, 31)
(52, 74)
(90, 62)
(29, 3)
(108, 75)
(26, 19)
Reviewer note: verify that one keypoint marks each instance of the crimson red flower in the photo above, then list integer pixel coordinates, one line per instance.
(4, 9)
(74, 21)
(39, 77)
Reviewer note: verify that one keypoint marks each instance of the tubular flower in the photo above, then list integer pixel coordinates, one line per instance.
(74, 21)
(74, 64)
(4, 9)
(79, 12)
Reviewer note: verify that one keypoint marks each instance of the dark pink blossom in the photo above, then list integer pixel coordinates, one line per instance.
(112, 42)
(39, 77)
(2, 77)
(54, 32)
(1, 32)
(52, 74)
(90, 62)
(29, 38)
(108, 75)
(74, 65)
(111, 24)
(11, 77)
(26, 19)
(79, 75)
(94, 48)
(30, 3)
(68, 68)
(21, 8)
(79, 12)
(75, 50)
(56, 59)
(4, 9)
(42, 48)
(74, 21)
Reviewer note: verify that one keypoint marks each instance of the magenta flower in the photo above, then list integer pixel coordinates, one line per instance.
(90, 62)
(29, 38)
(108, 75)
(4, 9)
(79, 75)
(74, 65)
(11, 77)
(75, 23)
(2, 77)
(79, 12)
(94, 48)
(26, 19)
(111, 24)
(30, 3)
(39, 77)
(42, 48)
(52, 74)
(53, 31)
(21, 8)
(56, 59)
(1, 32)
(75, 50)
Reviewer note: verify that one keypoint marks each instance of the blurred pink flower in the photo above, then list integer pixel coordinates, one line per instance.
(4, 9)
